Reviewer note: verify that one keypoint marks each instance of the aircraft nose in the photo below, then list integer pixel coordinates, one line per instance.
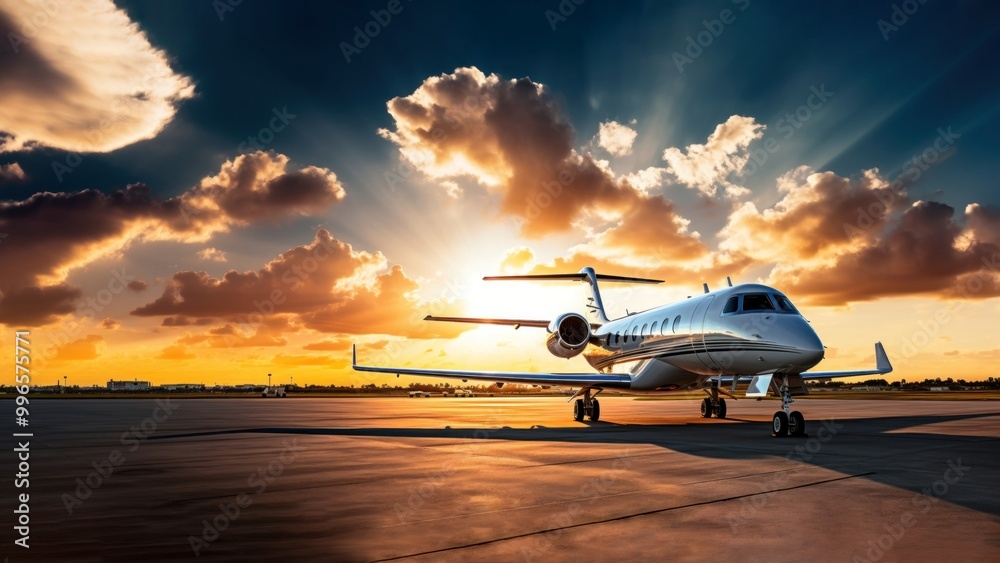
(810, 348)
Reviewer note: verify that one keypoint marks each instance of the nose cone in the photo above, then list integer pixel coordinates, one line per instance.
(807, 342)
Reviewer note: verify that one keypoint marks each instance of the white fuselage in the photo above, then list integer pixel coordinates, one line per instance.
(682, 345)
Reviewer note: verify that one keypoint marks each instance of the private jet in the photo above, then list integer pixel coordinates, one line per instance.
(747, 333)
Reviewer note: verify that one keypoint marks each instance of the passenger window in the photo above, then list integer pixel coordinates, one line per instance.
(732, 305)
(635, 330)
(652, 329)
(644, 332)
(677, 323)
(784, 304)
(665, 326)
(757, 302)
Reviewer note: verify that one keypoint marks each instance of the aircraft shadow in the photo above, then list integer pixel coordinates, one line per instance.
(879, 449)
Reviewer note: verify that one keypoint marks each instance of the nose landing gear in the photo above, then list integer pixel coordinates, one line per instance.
(787, 422)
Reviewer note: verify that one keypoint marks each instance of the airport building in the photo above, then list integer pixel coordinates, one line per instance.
(135, 385)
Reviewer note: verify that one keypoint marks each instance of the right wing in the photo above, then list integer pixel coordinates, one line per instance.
(532, 378)
(882, 366)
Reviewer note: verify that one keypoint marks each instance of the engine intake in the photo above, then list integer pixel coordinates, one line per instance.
(568, 335)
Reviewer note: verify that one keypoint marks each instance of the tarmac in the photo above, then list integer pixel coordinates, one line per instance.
(505, 479)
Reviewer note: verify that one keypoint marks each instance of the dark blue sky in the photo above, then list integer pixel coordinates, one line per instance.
(604, 61)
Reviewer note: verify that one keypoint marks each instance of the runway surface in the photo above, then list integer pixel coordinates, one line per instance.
(506, 479)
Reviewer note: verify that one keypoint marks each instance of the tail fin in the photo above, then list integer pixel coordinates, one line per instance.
(595, 305)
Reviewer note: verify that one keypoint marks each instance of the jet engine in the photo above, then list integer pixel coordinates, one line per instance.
(568, 335)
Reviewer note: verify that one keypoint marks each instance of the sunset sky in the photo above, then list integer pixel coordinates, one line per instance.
(199, 191)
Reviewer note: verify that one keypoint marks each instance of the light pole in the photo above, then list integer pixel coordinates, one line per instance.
(268, 380)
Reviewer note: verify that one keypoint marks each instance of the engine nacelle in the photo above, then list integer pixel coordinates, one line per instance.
(568, 335)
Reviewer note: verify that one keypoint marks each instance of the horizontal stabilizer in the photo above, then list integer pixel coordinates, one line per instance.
(580, 276)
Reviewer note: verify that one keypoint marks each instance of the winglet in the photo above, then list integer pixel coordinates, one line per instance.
(354, 355)
(881, 359)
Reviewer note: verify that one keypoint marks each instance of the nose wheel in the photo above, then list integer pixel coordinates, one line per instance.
(787, 422)
(588, 407)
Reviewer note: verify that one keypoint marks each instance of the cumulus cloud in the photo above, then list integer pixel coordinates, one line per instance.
(325, 285)
(81, 77)
(53, 233)
(110, 324)
(137, 286)
(11, 172)
(832, 240)
(212, 255)
(616, 138)
(510, 136)
(707, 167)
(819, 216)
(919, 255)
(86, 348)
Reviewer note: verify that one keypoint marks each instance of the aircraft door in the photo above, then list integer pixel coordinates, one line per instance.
(698, 332)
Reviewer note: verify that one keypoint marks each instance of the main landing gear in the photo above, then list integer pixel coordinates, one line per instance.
(588, 406)
(714, 405)
(787, 422)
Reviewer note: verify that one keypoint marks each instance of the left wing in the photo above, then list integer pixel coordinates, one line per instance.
(615, 380)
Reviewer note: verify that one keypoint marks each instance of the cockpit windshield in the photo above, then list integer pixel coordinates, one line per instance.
(757, 302)
(784, 304)
(754, 302)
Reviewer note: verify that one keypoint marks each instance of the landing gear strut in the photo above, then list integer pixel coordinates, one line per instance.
(787, 422)
(714, 405)
(588, 406)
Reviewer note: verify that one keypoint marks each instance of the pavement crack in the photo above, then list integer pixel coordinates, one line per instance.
(624, 517)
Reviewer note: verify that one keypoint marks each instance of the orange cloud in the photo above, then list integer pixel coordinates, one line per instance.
(326, 286)
(52, 233)
(510, 136)
(85, 348)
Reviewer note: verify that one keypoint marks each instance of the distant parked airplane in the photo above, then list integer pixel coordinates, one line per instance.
(745, 333)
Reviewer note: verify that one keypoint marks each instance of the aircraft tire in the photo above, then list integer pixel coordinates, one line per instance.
(578, 410)
(722, 409)
(706, 408)
(595, 413)
(796, 424)
(779, 425)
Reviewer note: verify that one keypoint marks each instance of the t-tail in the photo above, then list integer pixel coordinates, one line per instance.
(595, 305)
